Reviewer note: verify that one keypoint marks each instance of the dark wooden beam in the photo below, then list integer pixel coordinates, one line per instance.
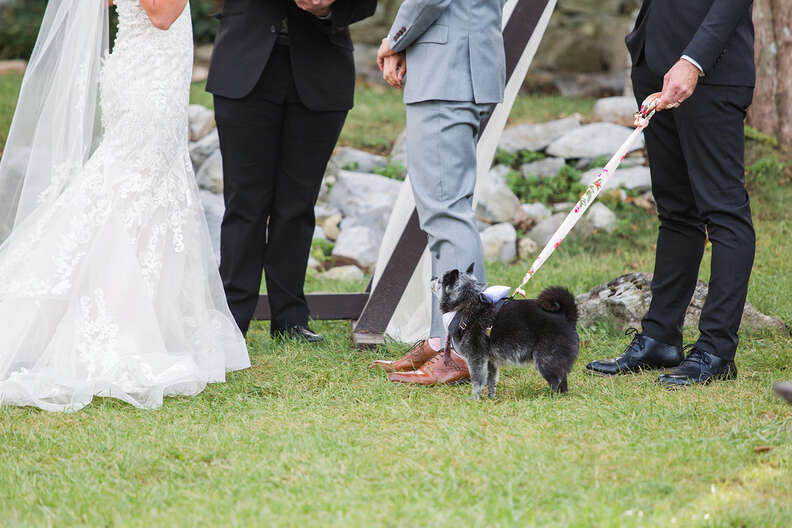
(323, 306)
(370, 328)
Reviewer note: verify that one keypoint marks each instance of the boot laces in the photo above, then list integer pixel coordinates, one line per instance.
(636, 343)
(696, 356)
(415, 350)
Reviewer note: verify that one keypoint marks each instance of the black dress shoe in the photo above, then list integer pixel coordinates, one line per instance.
(784, 390)
(644, 353)
(699, 367)
(301, 333)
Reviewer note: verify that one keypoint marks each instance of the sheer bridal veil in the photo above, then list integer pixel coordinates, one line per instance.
(57, 120)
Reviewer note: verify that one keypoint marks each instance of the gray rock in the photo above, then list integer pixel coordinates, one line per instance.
(201, 150)
(374, 220)
(618, 110)
(602, 218)
(638, 178)
(343, 273)
(366, 63)
(536, 136)
(625, 300)
(359, 160)
(500, 243)
(319, 233)
(314, 264)
(497, 203)
(544, 230)
(562, 207)
(201, 121)
(536, 212)
(214, 208)
(591, 84)
(591, 141)
(526, 248)
(357, 194)
(633, 160)
(210, 175)
(200, 73)
(544, 168)
(330, 226)
(323, 212)
(203, 54)
(359, 246)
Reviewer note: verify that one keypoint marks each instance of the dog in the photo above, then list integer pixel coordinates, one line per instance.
(489, 335)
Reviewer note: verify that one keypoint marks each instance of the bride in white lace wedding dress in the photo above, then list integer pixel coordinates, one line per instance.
(108, 284)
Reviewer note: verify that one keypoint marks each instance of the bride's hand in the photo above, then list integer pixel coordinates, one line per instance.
(394, 69)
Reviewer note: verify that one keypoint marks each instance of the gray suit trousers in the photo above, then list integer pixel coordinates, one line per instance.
(441, 160)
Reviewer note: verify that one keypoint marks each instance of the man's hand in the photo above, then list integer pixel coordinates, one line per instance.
(678, 84)
(384, 52)
(394, 69)
(315, 7)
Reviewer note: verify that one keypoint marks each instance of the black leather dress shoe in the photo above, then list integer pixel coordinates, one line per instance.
(699, 367)
(644, 353)
(784, 390)
(301, 333)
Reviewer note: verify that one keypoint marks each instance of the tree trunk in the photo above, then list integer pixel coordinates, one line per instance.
(771, 111)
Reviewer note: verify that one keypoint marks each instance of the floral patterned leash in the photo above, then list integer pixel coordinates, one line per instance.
(642, 118)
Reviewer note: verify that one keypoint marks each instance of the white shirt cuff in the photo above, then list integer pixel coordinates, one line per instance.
(692, 61)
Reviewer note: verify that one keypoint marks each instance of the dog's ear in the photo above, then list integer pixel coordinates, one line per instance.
(471, 268)
(450, 277)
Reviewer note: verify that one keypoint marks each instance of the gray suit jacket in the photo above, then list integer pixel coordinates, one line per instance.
(454, 50)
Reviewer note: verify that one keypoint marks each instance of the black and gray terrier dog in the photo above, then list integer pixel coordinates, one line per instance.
(489, 335)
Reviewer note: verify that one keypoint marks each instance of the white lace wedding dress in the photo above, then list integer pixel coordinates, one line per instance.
(110, 287)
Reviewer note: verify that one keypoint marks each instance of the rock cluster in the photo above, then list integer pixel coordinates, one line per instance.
(624, 301)
(355, 202)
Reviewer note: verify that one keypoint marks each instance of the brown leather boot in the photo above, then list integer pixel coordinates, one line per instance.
(419, 354)
(435, 372)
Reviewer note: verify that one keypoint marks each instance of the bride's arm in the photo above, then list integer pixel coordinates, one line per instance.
(163, 13)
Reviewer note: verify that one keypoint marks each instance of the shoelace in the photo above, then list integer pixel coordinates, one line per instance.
(414, 350)
(696, 356)
(636, 342)
(439, 358)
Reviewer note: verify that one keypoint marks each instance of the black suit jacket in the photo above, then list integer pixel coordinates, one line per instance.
(321, 51)
(718, 34)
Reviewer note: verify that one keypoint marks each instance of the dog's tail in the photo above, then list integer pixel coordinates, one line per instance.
(558, 299)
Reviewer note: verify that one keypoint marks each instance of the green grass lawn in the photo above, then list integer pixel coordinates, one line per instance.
(309, 436)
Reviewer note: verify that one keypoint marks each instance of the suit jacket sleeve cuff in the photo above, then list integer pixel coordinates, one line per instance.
(692, 61)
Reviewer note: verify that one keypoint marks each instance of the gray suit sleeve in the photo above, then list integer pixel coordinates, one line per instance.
(413, 19)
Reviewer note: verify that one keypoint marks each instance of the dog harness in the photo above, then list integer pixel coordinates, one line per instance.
(453, 321)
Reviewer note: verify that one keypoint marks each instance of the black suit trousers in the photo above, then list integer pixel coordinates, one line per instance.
(696, 156)
(275, 151)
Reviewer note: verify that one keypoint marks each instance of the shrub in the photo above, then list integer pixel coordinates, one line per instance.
(20, 21)
(565, 187)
